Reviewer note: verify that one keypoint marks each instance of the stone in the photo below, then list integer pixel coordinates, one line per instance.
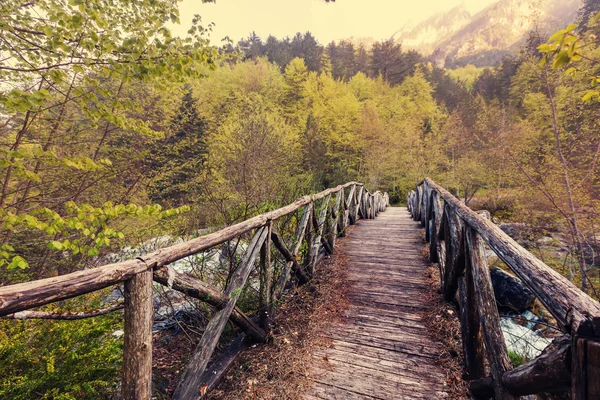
(511, 294)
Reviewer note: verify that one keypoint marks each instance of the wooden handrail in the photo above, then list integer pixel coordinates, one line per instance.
(570, 306)
(23, 296)
(319, 236)
(456, 234)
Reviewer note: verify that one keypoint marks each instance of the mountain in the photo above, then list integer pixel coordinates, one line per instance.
(427, 35)
(458, 38)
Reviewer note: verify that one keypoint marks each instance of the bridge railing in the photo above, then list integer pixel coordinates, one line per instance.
(456, 237)
(325, 216)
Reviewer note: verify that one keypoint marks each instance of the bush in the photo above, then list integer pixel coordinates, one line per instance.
(63, 360)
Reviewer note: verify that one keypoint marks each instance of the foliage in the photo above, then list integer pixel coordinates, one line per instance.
(61, 359)
(467, 74)
(82, 92)
(576, 48)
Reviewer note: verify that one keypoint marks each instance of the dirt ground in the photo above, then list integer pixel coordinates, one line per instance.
(280, 369)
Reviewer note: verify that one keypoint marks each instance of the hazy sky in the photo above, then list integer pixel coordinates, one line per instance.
(378, 19)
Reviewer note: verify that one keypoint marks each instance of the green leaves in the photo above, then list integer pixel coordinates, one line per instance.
(564, 47)
(17, 262)
(85, 228)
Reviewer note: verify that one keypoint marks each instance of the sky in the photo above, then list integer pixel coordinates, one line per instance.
(377, 19)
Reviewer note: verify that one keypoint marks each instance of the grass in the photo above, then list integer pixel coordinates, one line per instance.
(516, 359)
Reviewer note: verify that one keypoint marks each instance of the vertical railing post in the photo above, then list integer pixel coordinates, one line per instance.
(352, 206)
(266, 277)
(337, 210)
(585, 367)
(358, 213)
(489, 319)
(137, 349)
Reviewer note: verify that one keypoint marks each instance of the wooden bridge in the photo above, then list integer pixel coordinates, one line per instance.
(380, 349)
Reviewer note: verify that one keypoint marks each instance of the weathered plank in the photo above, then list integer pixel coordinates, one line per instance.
(380, 347)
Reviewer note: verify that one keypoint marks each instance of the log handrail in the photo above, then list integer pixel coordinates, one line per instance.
(456, 235)
(137, 274)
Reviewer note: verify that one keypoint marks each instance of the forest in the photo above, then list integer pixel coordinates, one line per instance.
(114, 131)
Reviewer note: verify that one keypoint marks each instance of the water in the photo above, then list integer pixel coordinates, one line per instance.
(521, 339)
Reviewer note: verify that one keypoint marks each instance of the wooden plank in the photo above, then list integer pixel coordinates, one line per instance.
(369, 309)
(328, 392)
(407, 359)
(399, 334)
(137, 344)
(416, 349)
(407, 379)
(217, 369)
(408, 369)
(369, 382)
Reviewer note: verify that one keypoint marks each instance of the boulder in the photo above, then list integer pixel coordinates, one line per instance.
(511, 294)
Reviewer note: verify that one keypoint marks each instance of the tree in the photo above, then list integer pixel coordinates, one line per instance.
(177, 161)
(72, 78)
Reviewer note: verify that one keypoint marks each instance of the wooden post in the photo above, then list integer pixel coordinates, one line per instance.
(435, 218)
(310, 235)
(351, 206)
(495, 348)
(319, 225)
(425, 209)
(359, 205)
(266, 277)
(454, 265)
(137, 348)
(419, 207)
(469, 321)
(470, 329)
(336, 210)
(585, 368)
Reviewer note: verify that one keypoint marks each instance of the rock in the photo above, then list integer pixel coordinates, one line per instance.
(521, 340)
(514, 230)
(510, 292)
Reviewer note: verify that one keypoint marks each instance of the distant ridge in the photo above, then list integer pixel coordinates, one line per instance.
(456, 37)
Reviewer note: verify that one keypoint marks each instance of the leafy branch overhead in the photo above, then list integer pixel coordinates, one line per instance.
(573, 48)
(76, 77)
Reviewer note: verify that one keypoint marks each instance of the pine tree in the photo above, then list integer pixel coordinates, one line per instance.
(177, 160)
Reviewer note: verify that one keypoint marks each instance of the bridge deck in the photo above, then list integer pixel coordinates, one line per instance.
(381, 348)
